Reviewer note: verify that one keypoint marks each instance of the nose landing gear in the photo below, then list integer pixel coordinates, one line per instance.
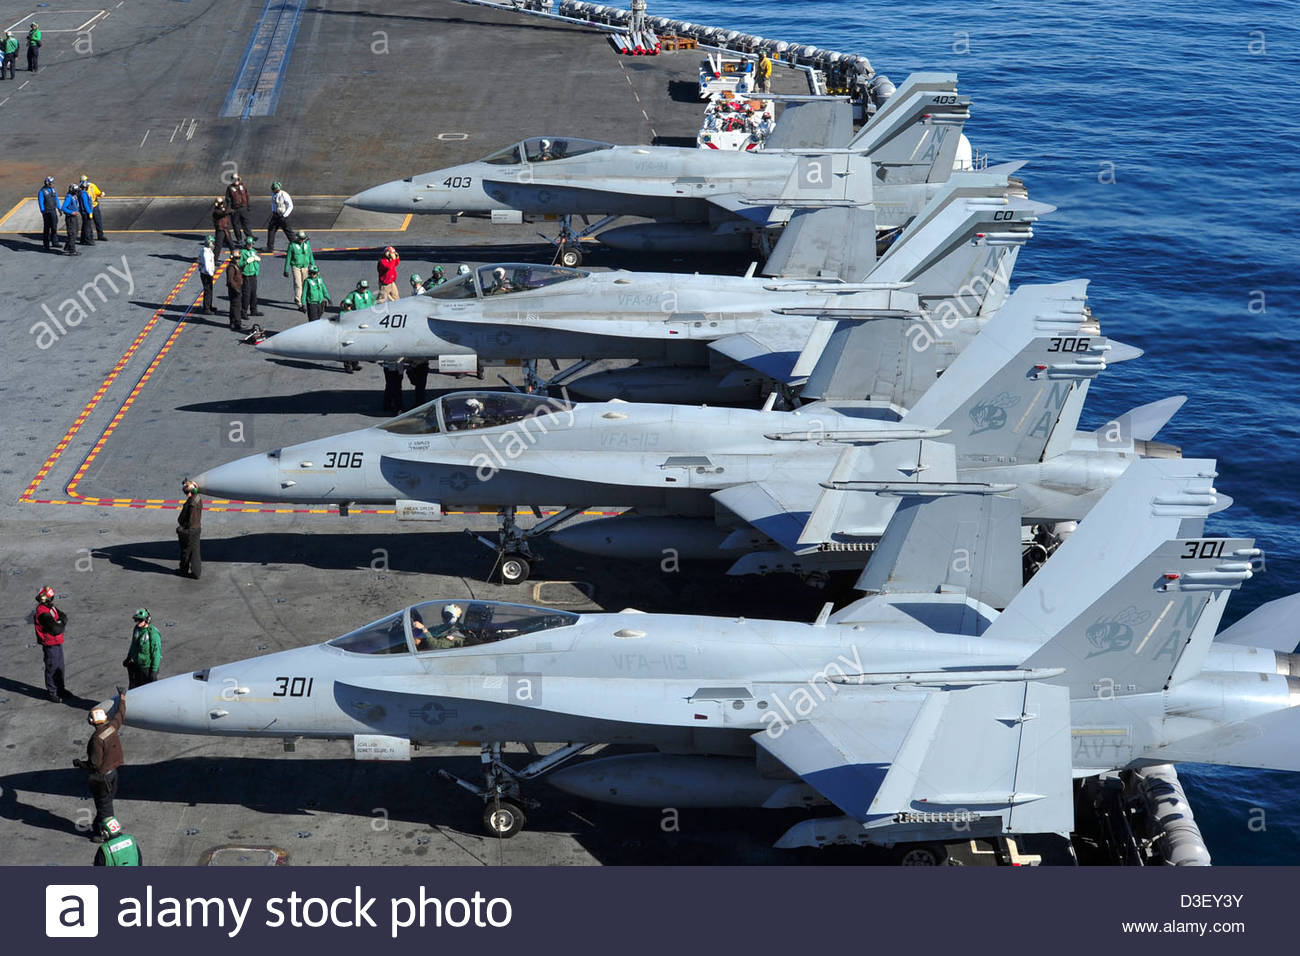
(504, 803)
(515, 556)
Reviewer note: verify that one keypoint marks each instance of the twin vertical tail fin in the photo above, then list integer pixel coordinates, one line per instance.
(1014, 387)
(959, 249)
(915, 136)
(1130, 602)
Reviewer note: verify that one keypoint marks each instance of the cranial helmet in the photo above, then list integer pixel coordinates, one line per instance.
(275, 186)
(97, 716)
(189, 486)
(437, 270)
(45, 595)
(415, 278)
(141, 614)
(363, 284)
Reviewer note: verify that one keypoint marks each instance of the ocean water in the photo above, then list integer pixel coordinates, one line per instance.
(1166, 136)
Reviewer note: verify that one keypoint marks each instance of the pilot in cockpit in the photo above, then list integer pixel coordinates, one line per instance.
(501, 283)
(447, 634)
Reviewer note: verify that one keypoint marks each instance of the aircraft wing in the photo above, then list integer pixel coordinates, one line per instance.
(812, 124)
(994, 750)
(825, 243)
(1275, 625)
(772, 348)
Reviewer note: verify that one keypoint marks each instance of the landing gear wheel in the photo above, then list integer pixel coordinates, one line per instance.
(570, 257)
(503, 818)
(921, 854)
(514, 569)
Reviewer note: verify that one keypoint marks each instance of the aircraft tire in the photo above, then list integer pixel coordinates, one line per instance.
(514, 569)
(503, 818)
(570, 257)
(920, 854)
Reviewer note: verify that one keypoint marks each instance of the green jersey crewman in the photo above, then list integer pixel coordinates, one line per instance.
(314, 294)
(359, 298)
(250, 264)
(297, 261)
(145, 654)
(33, 47)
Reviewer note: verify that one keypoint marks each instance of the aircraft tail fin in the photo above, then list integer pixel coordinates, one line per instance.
(915, 135)
(1013, 388)
(1129, 603)
(961, 246)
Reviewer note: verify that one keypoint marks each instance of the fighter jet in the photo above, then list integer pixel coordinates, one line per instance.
(706, 200)
(809, 490)
(698, 338)
(910, 710)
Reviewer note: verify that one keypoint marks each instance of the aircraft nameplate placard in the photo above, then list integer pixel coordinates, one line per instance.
(419, 511)
(380, 747)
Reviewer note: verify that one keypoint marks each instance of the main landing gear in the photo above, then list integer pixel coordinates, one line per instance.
(569, 243)
(503, 800)
(515, 556)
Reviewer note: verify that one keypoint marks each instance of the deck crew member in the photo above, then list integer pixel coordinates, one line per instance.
(50, 622)
(221, 227)
(47, 201)
(235, 293)
(207, 263)
(86, 206)
(237, 203)
(9, 48)
(144, 656)
(281, 209)
(189, 529)
(387, 268)
(250, 264)
(764, 74)
(71, 209)
(315, 296)
(297, 261)
(96, 194)
(33, 47)
(103, 757)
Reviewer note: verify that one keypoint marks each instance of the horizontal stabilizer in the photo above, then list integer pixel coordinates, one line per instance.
(993, 753)
(1275, 625)
(871, 361)
(778, 509)
(812, 123)
(1268, 742)
(1145, 421)
(962, 543)
(833, 242)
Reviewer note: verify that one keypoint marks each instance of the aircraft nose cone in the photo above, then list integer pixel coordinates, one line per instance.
(388, 197)
(255, 478)
(173, 704)
(311, 340)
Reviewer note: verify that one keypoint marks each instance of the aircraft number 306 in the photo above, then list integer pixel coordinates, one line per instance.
(458, 182)
(1070, 344)
(293, 686)
(343, 459)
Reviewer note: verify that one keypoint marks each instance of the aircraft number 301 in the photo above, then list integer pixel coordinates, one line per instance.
(1208, 548)
(1070, 344)
(458, 182)
(293, 686)
(343, 459)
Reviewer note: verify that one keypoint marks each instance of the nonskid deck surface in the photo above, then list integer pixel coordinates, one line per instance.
(115, 387)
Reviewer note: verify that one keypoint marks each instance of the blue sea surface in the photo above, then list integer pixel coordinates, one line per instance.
(1166, 135)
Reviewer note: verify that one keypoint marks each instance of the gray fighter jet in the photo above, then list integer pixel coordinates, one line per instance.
(707, 200)
(919, 712)
(809, 490)
(699, 338)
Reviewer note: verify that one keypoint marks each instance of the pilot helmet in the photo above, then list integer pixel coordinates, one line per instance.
(475, 406)
(499, 272)
(462, 270)
(451, 614)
